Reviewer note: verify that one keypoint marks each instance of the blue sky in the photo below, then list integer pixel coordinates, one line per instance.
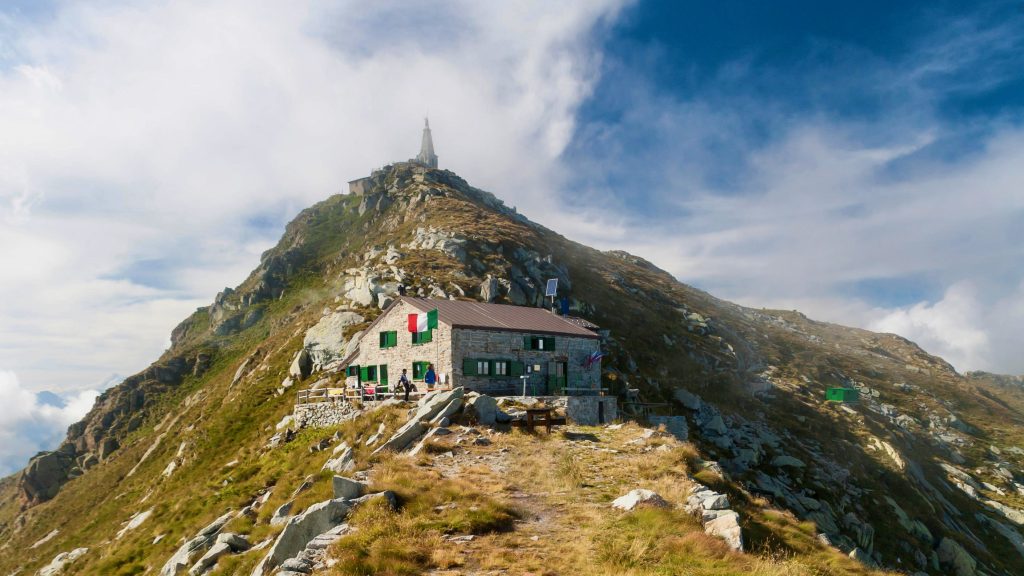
(861, 162)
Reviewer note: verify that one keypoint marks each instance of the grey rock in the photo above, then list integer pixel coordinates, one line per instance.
(953, 555)
(209, 559)
(300, 530)
(482, 408)
(302, 365)
(429, 407)
(489, 289)
(687, 399)
(182, 558)
(56, 566)
(280, 515)
(639, 497)
(727, 527)
(238, 543)
(786, 461)
(347, 489)
(715, 502)
(861, 556)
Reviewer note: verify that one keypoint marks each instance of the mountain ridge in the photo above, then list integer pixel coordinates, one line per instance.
(749, 382)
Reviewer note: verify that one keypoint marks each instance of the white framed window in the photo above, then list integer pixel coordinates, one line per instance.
(483, 367)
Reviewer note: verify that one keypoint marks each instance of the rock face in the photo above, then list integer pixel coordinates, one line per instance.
(325, 341)
(637, 498)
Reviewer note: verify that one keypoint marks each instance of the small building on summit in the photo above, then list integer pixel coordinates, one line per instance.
(426, 157)
(488, 348)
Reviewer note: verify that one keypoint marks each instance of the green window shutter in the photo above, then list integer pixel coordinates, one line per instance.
(383, 376)
(363, 376)
(427, 336)
(383, 339)
(491, 368)
(468, 367)
(516, 369)
(393, 338)
(527, 343)
(418, 370)
(549, 343)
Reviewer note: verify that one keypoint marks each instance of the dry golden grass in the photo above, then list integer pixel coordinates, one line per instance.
(542, 507)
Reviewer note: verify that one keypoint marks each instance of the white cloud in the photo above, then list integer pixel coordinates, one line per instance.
(144, 148)
(28, 426)
(951, 327)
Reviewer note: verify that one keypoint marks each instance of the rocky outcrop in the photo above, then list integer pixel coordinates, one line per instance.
(325, 341)
(116, 413)
(45, 474)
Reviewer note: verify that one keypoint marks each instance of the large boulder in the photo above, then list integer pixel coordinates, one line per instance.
(300, 530)
(482, 408)
(429, 406)
(45, 474)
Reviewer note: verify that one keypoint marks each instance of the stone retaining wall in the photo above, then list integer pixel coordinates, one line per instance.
(323, 414)
(588, 411)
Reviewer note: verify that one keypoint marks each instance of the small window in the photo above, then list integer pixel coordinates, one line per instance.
(422, 337)
(501, 368)
(419, 370)
(388, 339)
(483, 368)
(353, 370)
(545, 343)
(371, 374)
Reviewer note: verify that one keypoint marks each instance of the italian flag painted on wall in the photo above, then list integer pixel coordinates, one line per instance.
(423, 321)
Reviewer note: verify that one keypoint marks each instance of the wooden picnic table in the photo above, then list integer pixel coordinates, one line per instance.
(534, 413)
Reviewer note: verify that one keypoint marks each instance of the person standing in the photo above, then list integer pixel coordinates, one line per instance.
(430, 378)
(405, 383)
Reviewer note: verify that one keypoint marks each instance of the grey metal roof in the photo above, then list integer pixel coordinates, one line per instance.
(469, 314)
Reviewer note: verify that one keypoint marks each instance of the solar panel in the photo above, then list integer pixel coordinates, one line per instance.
(552, 288)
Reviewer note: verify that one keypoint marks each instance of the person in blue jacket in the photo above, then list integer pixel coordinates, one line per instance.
(430, 377)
